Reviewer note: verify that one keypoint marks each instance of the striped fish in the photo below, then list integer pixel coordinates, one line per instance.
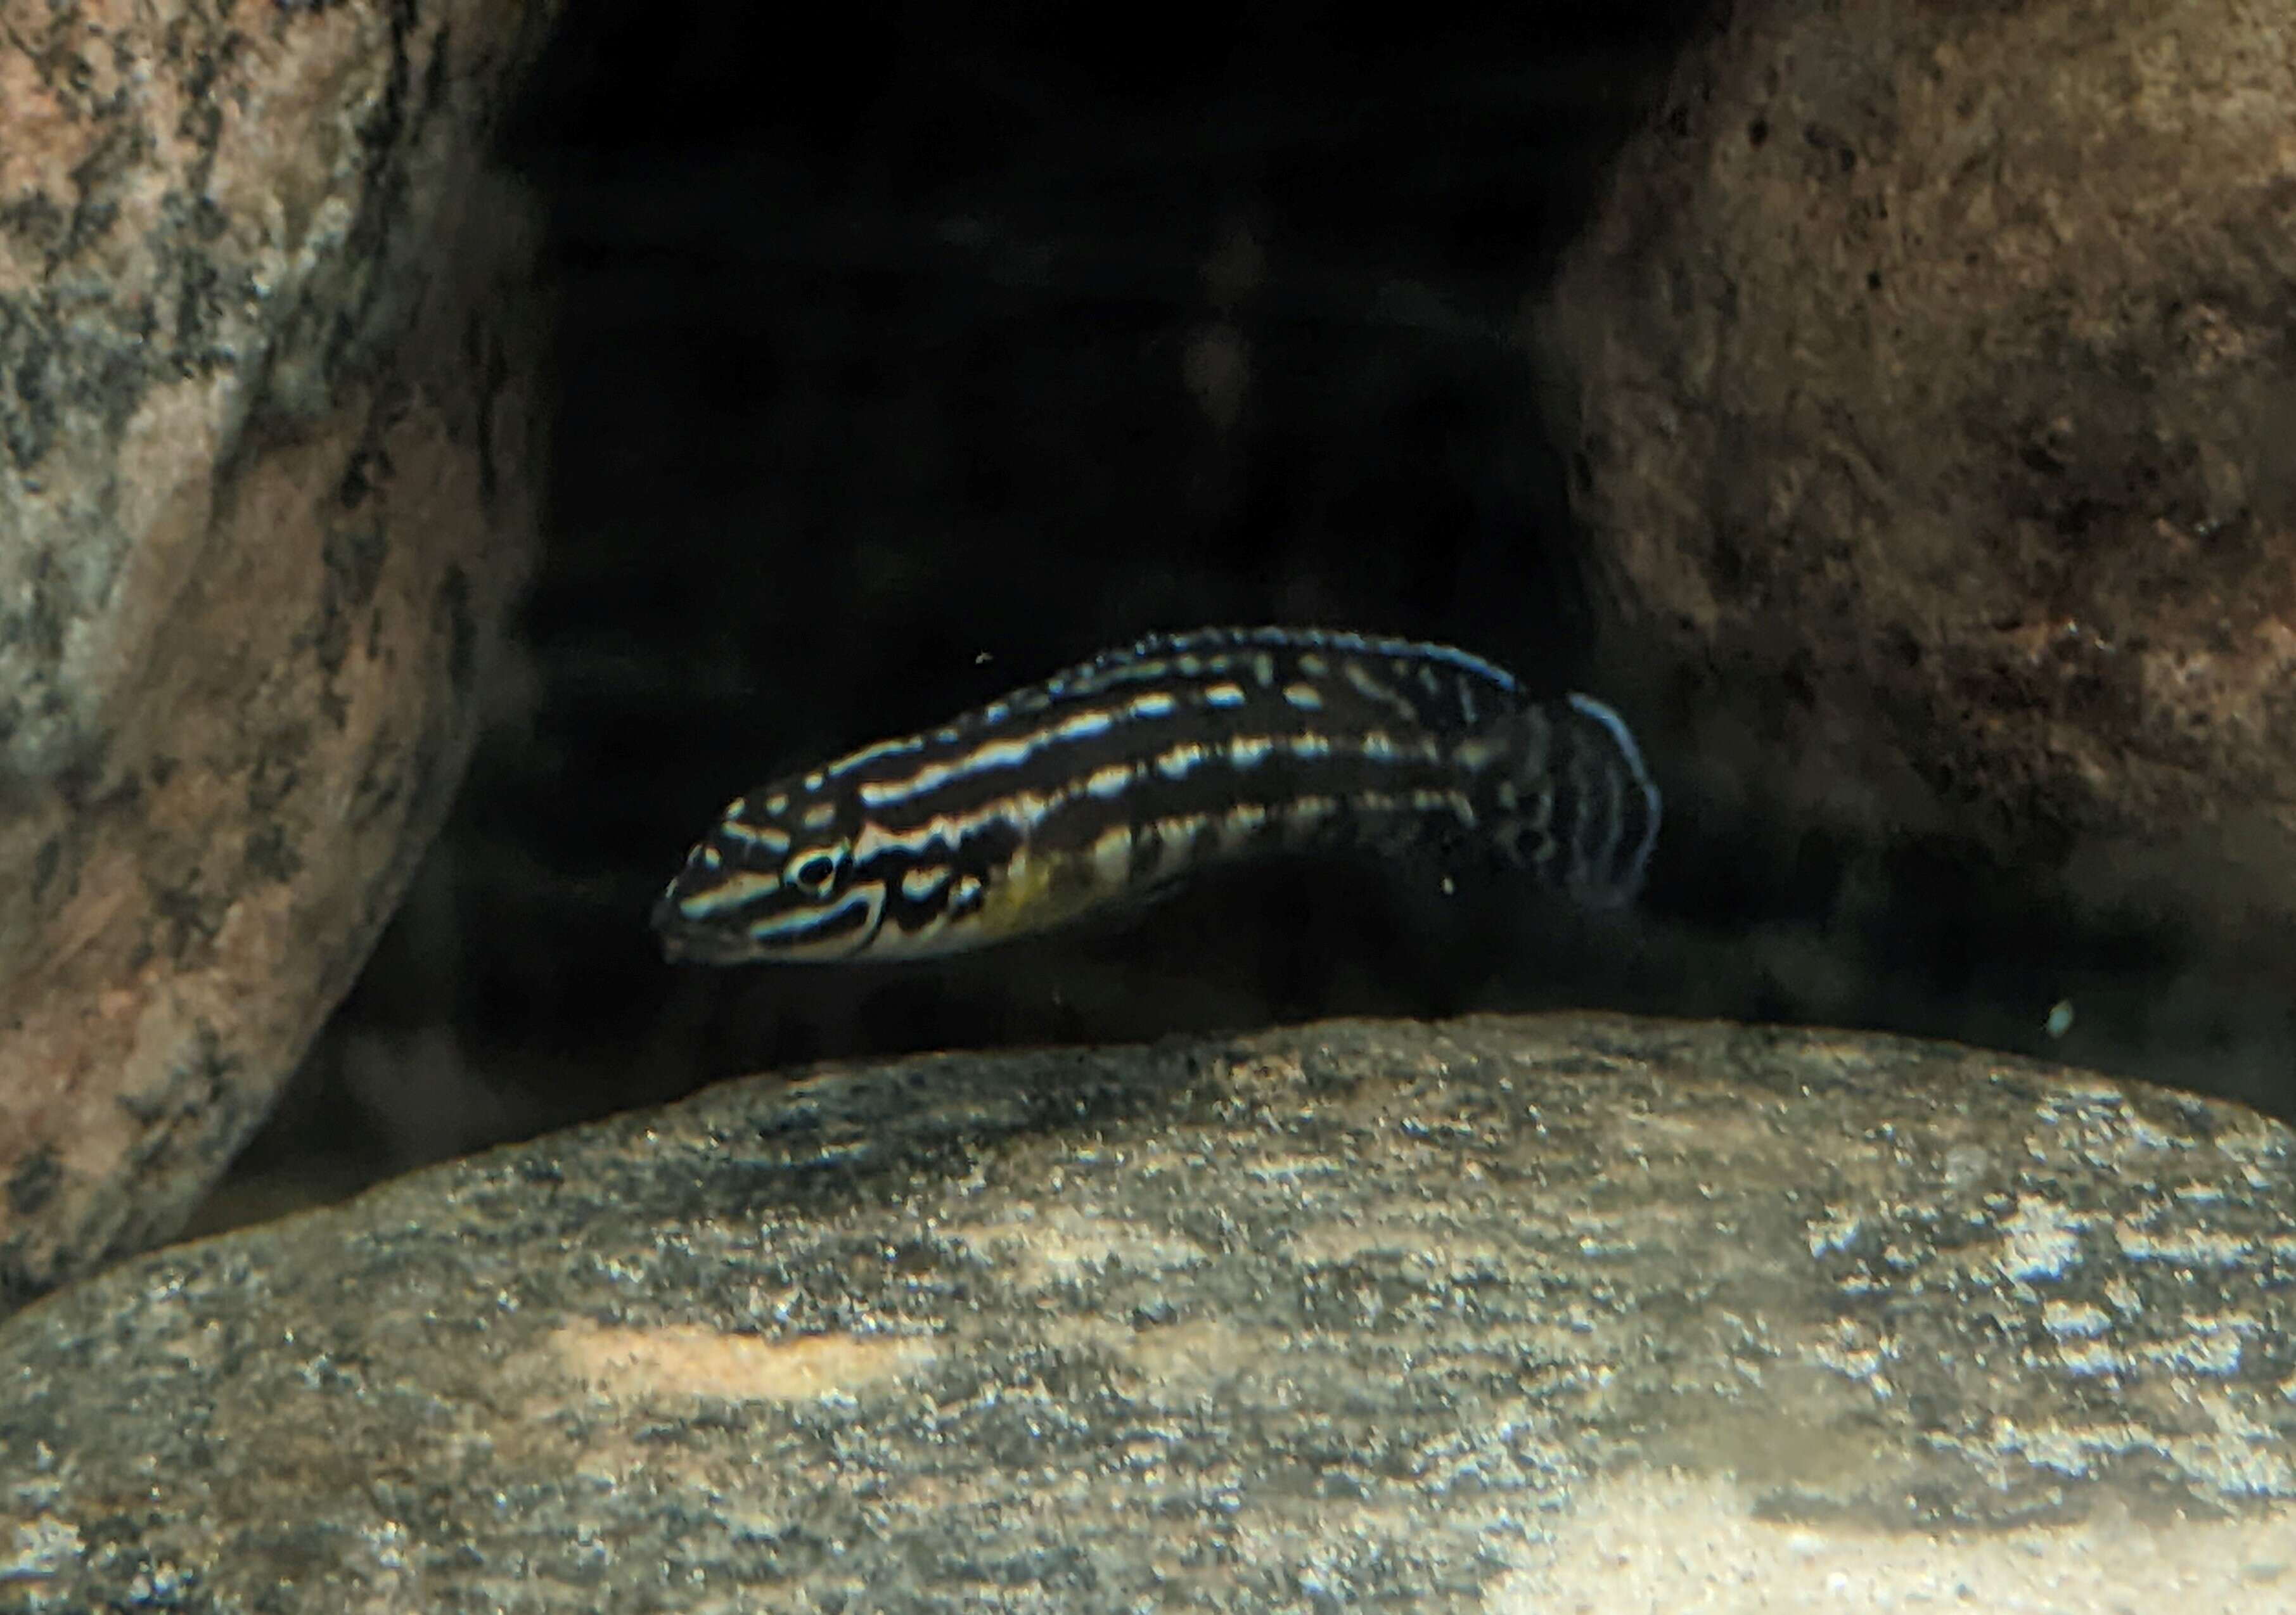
(1108, 782)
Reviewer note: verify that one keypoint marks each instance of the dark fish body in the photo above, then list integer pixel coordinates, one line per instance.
(1108, 781)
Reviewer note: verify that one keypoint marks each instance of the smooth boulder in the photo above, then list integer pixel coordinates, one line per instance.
(1491, 1314)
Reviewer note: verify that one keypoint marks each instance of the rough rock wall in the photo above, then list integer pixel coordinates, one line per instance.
(1936, 370)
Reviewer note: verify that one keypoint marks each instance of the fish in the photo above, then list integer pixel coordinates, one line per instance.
(1108, 784)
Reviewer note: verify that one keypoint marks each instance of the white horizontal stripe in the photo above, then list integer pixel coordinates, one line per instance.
(994, 755)
(771, 837)
(746, 886)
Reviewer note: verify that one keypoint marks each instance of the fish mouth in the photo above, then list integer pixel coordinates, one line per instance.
(687, 941)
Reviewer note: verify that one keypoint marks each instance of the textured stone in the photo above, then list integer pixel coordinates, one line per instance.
(1936, 375)
(1555, 1313)
(267, 456)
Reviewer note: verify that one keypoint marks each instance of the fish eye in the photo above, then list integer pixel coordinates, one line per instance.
(814, 873)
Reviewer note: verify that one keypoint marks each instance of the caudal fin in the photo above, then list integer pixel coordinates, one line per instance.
(1577, 806)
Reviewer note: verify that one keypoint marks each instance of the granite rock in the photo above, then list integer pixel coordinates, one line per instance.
(268, 456)
(1551, 1313)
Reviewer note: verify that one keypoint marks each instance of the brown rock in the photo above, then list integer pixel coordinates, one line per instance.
(1936, 374)
(267, 455)
(1568, 1313)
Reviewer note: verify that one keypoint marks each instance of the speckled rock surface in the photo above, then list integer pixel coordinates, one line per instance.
(1566, 1313)
(268, 458)
(1935, 382)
